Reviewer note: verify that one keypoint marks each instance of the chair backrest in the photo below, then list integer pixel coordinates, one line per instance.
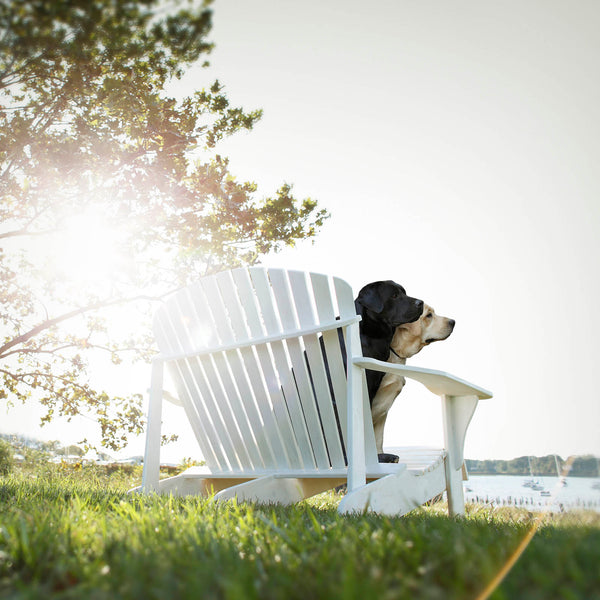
(257, 359)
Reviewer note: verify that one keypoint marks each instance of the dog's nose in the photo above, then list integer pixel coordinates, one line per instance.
(452, 323)
(419, 304)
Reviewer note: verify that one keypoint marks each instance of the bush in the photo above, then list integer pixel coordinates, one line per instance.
(6, 458)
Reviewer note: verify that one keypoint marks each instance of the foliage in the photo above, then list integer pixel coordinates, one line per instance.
(6, 457)
(77, 538)
(112, 193)
(585, 466)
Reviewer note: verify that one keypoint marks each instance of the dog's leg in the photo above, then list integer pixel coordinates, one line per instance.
(386, 394)
(378, 429)
(383, 457)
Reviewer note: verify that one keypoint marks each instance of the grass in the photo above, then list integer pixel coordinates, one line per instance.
(68, 534)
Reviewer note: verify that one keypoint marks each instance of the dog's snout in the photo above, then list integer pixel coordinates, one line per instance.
(451, 323)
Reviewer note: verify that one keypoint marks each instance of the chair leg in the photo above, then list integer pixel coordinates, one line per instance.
(454, 490)
(151, 472)
(457, 412)
(396, 494)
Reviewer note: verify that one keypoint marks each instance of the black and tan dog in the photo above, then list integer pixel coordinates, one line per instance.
(408, 339)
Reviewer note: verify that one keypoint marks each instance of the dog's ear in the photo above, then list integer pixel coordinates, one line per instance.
(370, 297)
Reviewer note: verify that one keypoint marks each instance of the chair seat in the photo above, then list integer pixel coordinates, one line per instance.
(372, 473)
(420, 458)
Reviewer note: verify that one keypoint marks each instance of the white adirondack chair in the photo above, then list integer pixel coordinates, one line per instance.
(275, 422)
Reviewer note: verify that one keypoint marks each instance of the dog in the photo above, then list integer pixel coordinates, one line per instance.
(383, 306)
(408, 340)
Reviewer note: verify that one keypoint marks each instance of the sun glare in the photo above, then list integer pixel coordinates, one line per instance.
(88, 250)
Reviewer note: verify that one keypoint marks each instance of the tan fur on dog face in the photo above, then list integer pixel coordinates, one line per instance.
(407, 341)
(429, 327)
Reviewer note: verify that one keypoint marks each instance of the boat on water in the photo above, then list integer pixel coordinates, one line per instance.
(532, 483)
(562, 480)
(529, 482)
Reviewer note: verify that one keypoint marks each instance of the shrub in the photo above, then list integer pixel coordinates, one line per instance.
(6, 457)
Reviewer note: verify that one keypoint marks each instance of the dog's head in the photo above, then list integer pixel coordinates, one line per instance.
(411, 338)
(387, 302)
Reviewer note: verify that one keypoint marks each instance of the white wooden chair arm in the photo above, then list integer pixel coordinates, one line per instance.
(459, 401)
(438, 382)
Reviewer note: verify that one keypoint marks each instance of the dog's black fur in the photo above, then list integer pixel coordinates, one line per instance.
(382, 305)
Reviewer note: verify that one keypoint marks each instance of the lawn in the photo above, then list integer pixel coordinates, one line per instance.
(77, 534)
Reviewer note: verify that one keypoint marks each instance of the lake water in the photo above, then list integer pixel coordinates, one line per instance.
(508, 490)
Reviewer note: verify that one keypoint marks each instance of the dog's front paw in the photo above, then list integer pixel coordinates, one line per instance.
(384, 457)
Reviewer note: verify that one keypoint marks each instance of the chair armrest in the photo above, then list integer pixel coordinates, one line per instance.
(459, 401)
(438, 382)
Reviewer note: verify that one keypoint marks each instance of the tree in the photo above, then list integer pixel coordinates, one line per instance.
(112, 193)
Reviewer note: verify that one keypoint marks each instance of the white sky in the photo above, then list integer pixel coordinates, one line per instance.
(456, 146)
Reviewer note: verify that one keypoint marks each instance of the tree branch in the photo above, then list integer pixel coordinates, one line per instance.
(24, 232)
(21, 339)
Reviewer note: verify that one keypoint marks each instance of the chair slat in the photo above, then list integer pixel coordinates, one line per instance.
(168, 327)
(337, 371)
(249, 303)
(251, 386)
(236, 378)
(323, 299)
(346, 306)
(264, 296)
(181, 383)
(345, 299)
(214, 405)
(332, 344)
(213, 302)
(266, 289)
(225, 369)
(217, 405)
(302, 404)
(260, 322)
(304, 298)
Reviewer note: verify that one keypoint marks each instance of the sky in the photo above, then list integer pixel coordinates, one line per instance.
(455, 146)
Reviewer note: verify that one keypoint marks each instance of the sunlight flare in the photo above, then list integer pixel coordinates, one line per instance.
(89, 250)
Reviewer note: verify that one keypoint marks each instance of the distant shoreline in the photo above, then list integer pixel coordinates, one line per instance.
(538, 466)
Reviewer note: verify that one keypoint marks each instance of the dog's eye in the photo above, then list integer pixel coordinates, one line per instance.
(395, 295)
(429, 315)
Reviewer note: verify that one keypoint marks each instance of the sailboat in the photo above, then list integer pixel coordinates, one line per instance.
(532, 483)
